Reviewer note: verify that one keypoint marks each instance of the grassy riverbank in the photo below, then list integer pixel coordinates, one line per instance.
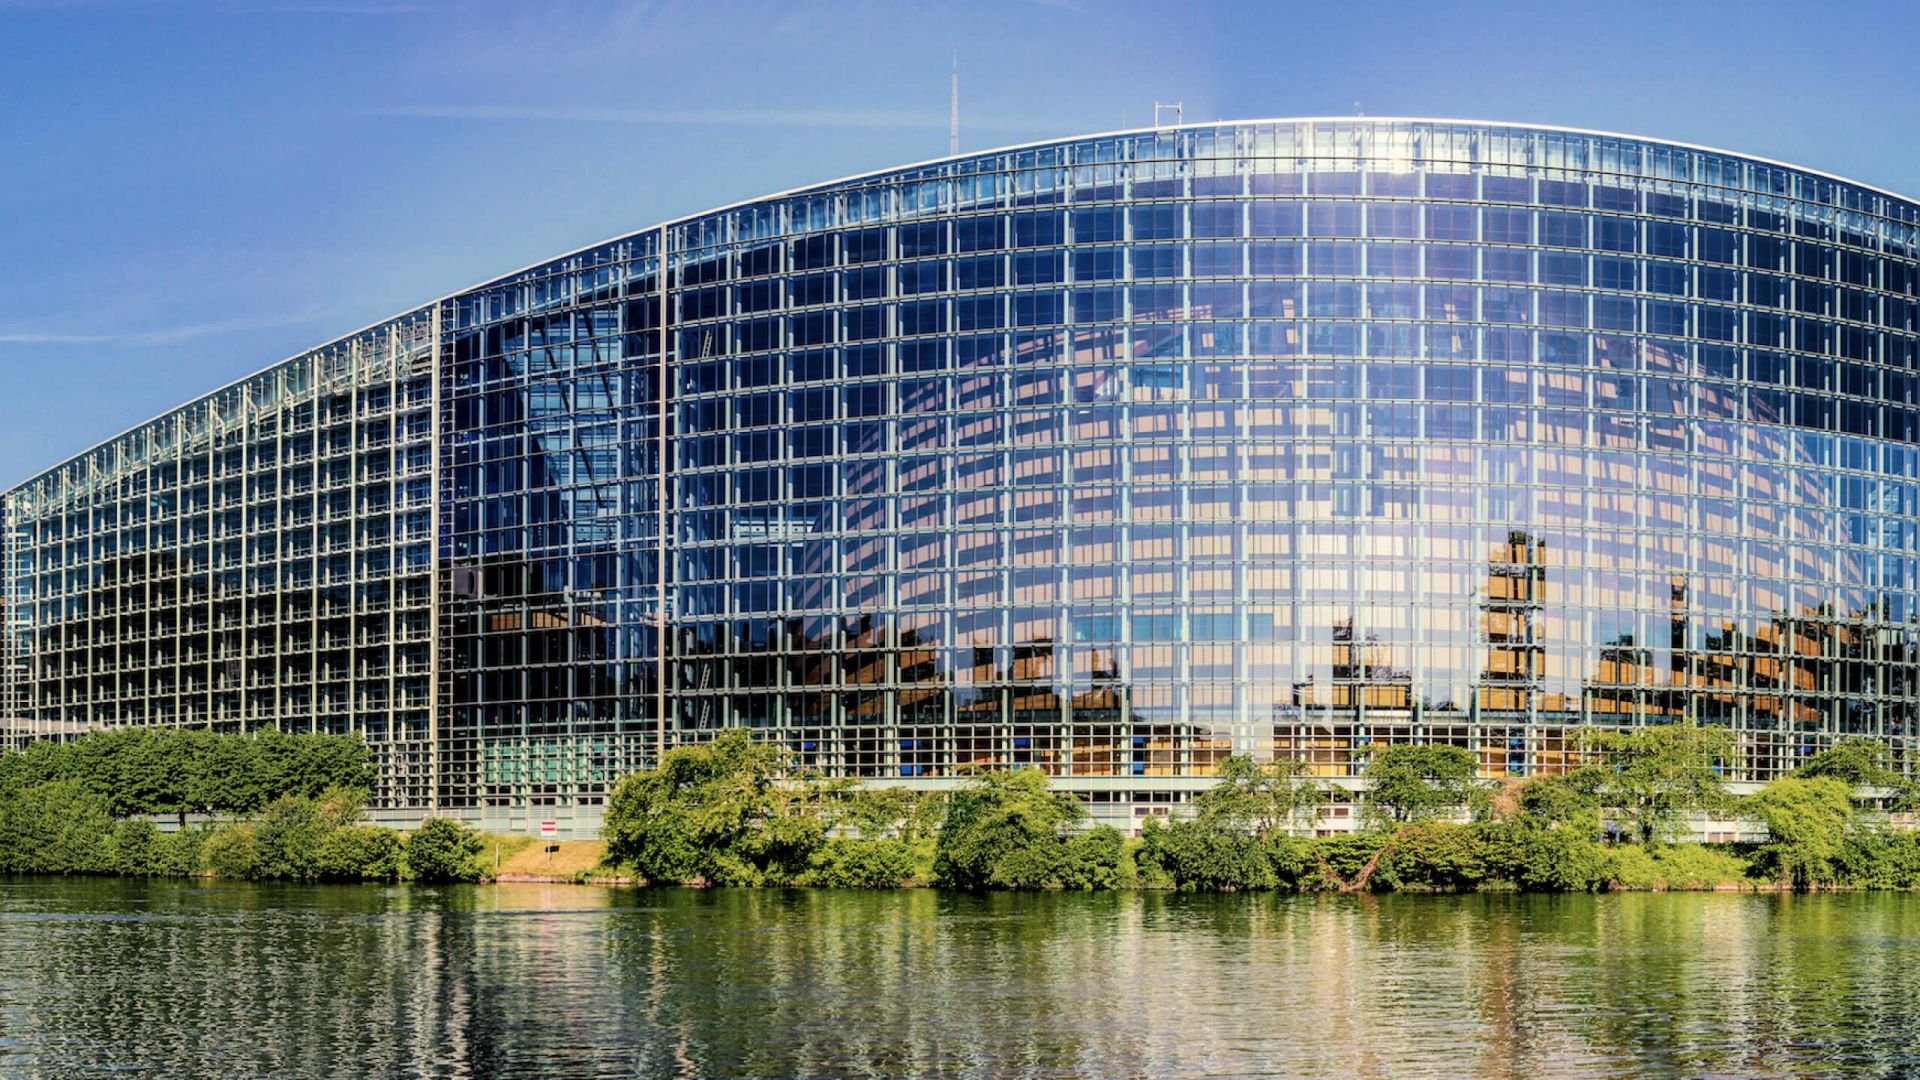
(523, 858)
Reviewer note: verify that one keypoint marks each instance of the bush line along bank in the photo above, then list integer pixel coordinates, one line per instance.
(728, 813)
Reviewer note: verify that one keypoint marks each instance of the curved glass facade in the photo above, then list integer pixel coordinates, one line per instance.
(1112, 455)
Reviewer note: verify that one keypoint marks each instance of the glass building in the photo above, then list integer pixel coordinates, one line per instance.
(1111, 455)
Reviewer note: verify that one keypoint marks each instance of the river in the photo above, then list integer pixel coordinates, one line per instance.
(171, 978)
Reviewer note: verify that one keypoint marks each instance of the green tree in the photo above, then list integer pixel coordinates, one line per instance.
(178, 761)
(905, 813)
(312, 765)
(150, 771)
(717, 812)
(1416, 782)
(56, 827)
(1863, 763)
(1257, 799)
(1571, 800)
(120, 764)
(141, 770)
(226, 777)
(36, 763)
(1005, 829)
(443, 850)
(1809, 819)
(1652, 776)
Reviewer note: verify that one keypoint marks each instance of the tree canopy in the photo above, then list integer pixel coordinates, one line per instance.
(1006, 829)
(169, 771)
(1863, 763)
(1416, 782)
(716, 812)
(1652, 776)
(1809, 818)
(1258, 799)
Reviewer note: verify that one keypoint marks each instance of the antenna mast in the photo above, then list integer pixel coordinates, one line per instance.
(953, 119)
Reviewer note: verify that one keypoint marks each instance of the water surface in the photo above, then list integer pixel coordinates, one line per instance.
(173, 978)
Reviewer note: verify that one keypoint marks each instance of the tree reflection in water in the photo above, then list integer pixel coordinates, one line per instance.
(189, 978)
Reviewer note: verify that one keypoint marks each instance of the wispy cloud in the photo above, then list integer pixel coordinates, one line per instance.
(170, 335)
(732, 118)
(349, 8)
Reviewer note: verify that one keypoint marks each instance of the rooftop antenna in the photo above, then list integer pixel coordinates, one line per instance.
(1359, 109)
(1179, 114)
(953, 118)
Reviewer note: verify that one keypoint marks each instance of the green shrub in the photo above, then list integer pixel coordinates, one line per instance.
(1328, 862)
(232, 851)
(358, 853)
(1201, 856)
(1093, 859)
(1536, 855)
(183, 852)
(1880, 858)
(1675, 866)
(139, 848)
(1028, 868)
(442, 850)
(1434, 857)
(287, 837)
(869, 863)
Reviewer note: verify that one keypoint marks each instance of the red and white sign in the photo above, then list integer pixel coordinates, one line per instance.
(549, 828)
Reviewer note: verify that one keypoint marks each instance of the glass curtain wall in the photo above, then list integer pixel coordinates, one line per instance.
(1117, 456)
(1111, 456)
(260, 558)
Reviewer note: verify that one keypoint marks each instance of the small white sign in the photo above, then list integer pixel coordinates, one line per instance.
(549, 828)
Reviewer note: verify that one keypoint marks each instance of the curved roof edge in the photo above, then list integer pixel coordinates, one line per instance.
(667, 223)
(930, 162)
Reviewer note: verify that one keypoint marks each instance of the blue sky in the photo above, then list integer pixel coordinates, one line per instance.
(191, 190)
